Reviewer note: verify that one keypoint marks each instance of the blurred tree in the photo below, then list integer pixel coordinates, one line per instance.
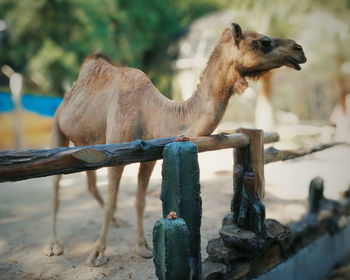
(47, 40)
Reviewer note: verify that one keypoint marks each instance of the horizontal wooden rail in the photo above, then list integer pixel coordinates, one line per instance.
(21, 165)
(273, 155)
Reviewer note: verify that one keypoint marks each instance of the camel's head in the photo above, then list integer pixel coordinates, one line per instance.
(257, 54)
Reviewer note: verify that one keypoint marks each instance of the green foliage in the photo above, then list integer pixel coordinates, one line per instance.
(48, 39)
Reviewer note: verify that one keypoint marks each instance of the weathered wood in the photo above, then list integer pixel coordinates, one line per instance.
(243, 240)
(248, 211)
(318, 204)
(18, 165)
(238, 249)
(324, 215)
(21, 165)
(225, 141)
(244, 253)
(219, 252)
(248, 245)
(254, 214)
(272, 154)
(257, 157)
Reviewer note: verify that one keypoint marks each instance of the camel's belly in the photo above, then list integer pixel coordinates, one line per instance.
(88, 128)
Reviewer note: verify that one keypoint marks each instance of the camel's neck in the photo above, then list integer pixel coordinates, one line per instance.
(208, 104)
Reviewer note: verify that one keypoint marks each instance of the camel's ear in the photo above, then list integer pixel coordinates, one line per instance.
(236, 33)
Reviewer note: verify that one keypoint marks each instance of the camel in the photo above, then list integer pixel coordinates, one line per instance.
(114, 104)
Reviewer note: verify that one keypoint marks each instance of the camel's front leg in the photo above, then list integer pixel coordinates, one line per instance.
(97, 256)
(54, 247)
(145, 172)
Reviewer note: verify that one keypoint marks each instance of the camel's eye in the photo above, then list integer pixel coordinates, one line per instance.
(265, 44)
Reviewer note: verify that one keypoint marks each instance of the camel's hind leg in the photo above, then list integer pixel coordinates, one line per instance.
(145, 172)
(54, 247)
(92, 187)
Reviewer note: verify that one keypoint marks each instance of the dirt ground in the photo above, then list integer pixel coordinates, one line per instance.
(25, 214)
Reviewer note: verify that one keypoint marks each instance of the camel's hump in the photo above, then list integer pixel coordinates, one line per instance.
(96, 56)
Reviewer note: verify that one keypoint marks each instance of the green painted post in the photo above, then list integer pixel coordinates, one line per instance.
(181, 193)
(171, 248)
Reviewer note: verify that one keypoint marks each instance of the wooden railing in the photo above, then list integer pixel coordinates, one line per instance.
(21, 165)
(247, 211)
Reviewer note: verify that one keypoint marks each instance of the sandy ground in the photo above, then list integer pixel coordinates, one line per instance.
(25, 214)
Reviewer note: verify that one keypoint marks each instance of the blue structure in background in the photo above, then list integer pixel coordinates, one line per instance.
(40, 104)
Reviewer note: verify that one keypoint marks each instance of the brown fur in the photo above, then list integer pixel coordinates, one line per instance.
(113, 104)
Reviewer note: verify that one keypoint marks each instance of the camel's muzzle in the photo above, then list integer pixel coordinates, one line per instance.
(297, 59)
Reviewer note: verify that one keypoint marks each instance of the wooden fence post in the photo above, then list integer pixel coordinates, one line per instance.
(248, 244)
(249, 183)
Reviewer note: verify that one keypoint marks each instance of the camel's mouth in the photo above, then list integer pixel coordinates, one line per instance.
(289, 61)
(293, 63)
